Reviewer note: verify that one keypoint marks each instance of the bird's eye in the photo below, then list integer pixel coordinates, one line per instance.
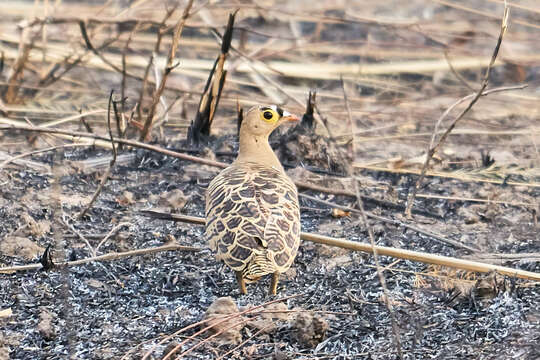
(268, 115)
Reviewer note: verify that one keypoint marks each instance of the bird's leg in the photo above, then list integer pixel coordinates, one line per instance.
(273, 284)
(241, 282)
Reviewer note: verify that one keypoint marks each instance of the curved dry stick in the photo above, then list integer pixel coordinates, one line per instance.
(107, 172)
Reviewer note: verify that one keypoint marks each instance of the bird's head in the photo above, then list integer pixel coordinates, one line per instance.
(262, 120)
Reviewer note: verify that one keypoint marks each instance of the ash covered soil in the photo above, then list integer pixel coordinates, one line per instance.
(129, 307)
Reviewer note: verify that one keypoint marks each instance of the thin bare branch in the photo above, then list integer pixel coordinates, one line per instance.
(432, 149)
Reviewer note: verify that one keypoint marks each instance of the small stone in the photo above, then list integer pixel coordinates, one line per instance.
(45, 326)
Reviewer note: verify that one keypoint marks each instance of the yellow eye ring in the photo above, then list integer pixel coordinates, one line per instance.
(269, 115)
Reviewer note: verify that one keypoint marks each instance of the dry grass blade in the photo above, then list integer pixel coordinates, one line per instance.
(25, 45)
(363, 216)
(222, 320)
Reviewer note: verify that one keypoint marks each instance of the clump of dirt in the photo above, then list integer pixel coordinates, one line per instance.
(309, 328)
(223, 322)
(267, 321)
(304, 146)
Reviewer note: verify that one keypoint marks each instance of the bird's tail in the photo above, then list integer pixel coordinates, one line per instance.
(259, 266)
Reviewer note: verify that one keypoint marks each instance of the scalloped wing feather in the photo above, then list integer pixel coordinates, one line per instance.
(253, 219)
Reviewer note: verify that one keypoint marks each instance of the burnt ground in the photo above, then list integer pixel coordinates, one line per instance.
(483, 193)
(107, 309)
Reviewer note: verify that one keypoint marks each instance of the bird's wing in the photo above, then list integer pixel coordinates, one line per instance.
(252, 213)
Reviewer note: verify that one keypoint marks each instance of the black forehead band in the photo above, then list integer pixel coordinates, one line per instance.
(278, 109)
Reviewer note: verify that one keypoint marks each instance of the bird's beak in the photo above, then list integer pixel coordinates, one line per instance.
(287, 116)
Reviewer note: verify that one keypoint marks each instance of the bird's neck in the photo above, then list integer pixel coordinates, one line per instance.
(257, 149)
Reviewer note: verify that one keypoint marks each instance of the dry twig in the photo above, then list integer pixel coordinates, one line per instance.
(105, 257)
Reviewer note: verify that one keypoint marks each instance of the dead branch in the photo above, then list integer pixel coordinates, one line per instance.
(419, 256)
(105, 257)
(394, 222)
(432, 149)
(212, 91)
